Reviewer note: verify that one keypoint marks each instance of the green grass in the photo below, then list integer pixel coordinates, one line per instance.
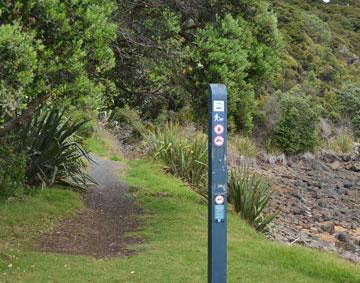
(21, 220)
(175, 248)
(101, 143)
(97, 145)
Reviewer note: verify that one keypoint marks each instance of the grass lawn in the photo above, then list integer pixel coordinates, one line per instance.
(175, 248)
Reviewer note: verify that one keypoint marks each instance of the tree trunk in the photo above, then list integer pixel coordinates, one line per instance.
(24, 116)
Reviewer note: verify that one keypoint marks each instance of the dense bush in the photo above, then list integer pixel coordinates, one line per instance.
(228, 51)
(125, 119)
(55, 154)
(12, 171)
(54, 49)
(184, 152)
(296, 129)
(249, 194)
(18, 61)
(349, 100)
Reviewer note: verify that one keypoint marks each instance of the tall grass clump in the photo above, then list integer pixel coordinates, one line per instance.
(250, 194)
(244, 146)
(54, 151)
(343, 143)
(184, 153)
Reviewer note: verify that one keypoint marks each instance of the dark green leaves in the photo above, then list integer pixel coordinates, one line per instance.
(55, 153)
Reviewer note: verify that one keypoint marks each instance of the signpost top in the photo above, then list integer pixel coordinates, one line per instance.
(217, 91)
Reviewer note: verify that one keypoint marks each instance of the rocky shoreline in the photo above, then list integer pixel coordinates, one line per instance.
(317, 198)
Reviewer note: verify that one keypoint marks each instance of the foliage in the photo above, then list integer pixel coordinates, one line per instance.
(18, 59)
(12, 171)
(55, 153)
(229, 52)
(322, 46)
(164, 48)
(58, 49)
(127, 118)
(184, 154)
(343, 143)
(151, 57)
(296, 129)
(349, 100)
(245, 146)
(249, 194)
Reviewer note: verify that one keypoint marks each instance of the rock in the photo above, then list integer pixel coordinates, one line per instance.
(346, 246)
(328, 227)
(346, 158)
(326, 217)
(315, 195)
(299, 211)
(328, 156)
(353, 167)
(335, 165)
(342, 237)
(322, 203)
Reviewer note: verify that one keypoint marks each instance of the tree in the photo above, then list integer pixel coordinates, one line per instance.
(230, 51)
(61, 48)
(349, 100)
(295, 131)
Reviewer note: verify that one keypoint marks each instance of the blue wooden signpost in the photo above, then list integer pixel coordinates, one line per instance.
(217, 182)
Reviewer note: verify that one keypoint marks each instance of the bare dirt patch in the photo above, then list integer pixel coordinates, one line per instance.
(102, 229)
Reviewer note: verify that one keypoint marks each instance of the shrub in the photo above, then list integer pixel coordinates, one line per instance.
(55, 154)
(295, 131)
(12, 171)
(18, 60)
(349, 100)
(249, 194)
(230, 50)
(127, 117)
(245, 146)
(185, 155)
(343, 143)
(270, 148)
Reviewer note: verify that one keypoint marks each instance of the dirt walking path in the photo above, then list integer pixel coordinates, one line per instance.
(102, 228)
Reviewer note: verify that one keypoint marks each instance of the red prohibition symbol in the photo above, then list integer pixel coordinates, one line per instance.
(219, 129)
(219, 199)
(219, 140)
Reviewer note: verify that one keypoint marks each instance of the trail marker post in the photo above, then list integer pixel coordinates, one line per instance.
(217, 182)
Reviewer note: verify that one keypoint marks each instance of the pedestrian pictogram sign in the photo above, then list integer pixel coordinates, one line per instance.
(217, 183)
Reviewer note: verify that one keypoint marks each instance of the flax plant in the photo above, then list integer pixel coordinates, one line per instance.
(249, 194)
(183, 152)
(55, 154)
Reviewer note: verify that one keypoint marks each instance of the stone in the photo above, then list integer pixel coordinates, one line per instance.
(328, 226)
(335, 165)
(326, 217)
(322, 203)
(342, 237)
(346, 158)
(346, 246)
(299, 211)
